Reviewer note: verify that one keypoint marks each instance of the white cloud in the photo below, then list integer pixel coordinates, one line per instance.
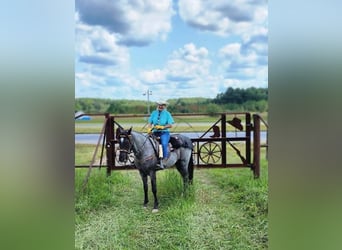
(96, 45)
(105, 30)
(188, 62)
(135, 22)
(185, 64)
(101, 64)
(230, 50)
(245, 64)
(153, 76)
(223, 17)
(186, 73)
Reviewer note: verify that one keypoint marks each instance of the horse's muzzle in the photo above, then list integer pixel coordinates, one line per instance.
(123, 156)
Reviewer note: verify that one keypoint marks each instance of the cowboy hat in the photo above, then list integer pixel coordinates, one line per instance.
(162, 102)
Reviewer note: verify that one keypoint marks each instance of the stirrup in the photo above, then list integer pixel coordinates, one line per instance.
(160, 164)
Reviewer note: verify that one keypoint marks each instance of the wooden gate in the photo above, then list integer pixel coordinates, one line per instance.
(232, 141)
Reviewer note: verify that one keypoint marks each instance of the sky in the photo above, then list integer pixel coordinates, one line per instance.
(125, 49)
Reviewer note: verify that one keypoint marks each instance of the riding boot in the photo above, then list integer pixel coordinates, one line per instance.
(160, 165)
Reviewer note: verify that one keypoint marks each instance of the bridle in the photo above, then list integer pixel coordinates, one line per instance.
(129, 145)
(125, 147)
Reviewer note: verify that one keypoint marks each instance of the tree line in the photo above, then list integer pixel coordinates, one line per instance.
(232, 100)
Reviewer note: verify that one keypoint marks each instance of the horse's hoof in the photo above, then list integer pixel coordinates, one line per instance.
(144, 207)
(155, 210)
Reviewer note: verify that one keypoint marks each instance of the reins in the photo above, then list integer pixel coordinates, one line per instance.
(132, 144)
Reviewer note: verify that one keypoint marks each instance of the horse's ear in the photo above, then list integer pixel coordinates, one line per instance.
(118, 132)
(130, 130)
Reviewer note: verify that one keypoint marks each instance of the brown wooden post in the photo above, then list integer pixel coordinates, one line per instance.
(256, 146)
(224, 142)
(110, 147)
(248, 135)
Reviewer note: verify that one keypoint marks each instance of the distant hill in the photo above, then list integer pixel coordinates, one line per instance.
(250, 99)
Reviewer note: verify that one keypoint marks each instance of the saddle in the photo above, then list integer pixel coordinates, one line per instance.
(176, 141)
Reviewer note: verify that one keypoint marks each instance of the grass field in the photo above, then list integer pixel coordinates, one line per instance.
(224, 209)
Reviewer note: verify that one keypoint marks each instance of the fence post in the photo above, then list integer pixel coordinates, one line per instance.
(224, 142)
(256, 145)
(249, 128)
(109, 143)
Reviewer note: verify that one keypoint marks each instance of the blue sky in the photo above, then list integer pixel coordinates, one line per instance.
(183, 48)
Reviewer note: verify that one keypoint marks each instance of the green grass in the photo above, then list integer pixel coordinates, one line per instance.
(223, 209)
(84, 154)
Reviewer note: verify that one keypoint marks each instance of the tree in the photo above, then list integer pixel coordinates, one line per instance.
(116, 108)
(212, 108)
(241, 96)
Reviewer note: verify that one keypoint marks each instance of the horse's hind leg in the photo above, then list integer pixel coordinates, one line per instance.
(182, 169)
(154, 190)
(145, 185)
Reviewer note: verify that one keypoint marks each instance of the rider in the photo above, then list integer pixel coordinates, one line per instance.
(159, 123)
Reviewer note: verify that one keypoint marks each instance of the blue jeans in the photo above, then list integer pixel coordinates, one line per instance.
(164, 140)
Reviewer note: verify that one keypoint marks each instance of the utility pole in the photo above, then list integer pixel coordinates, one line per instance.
(148, 93)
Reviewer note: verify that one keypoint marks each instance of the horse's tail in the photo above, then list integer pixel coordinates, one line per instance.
(191, 168)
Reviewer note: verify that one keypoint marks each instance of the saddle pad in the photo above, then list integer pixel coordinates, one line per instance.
(178, 141)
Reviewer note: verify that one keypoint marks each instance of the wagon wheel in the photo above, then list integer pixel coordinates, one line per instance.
(210, 152)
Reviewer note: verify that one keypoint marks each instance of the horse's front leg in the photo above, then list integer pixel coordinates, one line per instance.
(145, 186)
(154, 190)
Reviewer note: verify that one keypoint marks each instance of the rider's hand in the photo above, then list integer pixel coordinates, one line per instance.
(149, 131)
(159, 127)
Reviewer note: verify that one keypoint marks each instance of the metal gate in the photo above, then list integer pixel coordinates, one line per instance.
(233, 141)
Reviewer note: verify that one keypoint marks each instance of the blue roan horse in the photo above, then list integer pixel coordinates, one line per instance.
(145, 151)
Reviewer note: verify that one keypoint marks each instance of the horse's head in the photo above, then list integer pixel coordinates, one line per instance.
(125, 143)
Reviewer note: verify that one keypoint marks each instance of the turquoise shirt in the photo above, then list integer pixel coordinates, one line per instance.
(163, 118)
